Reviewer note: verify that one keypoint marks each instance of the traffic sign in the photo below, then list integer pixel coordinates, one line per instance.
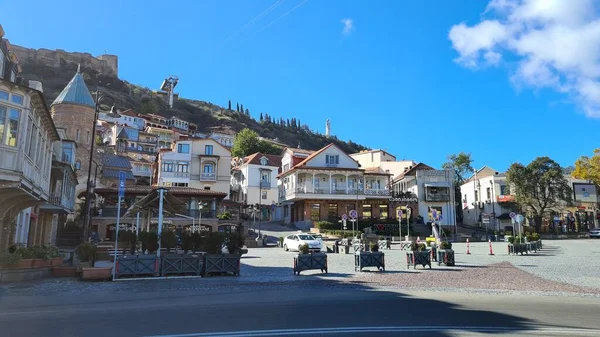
(486, 220)
(512, 215)
(353, 214)
(434, 214)
(344, 217)
(519, 218)
(440, 218)
(556, 219)
(400, 213)
(122, 177)
(408, 211)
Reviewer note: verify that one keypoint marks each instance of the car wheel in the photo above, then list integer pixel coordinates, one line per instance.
(285, 247)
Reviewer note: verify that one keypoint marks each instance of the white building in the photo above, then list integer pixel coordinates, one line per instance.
(384, 160)
(485, 195)
(177, 123)
(434, 189)
(127, 118)
(254, 181)
(173, 167)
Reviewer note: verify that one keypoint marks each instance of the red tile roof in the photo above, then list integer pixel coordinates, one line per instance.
(272, 160)
(413, 171)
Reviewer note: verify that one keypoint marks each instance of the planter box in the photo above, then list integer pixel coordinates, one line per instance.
(24, 274)
(136, 265)
(41, 263)
(82, 265)
(96, 273)
(56, 262)
(63, 271)
(310, 261)
(369, 259)
(182, 264)
(414, 258)
(517, 248)
(25, 263)
(445, 256)
(222, 263)
(384, 244)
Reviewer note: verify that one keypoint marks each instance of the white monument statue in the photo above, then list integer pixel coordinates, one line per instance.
(327, 128)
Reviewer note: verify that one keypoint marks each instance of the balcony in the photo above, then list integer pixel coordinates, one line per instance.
(184, 175)
(265, 184)
(378, 192)
(307, 192)
(59, 201)
(141, 173)
(236, 187)
(208, 177)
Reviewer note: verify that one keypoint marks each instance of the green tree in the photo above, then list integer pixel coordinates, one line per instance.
(261, 117)
(588, 168)
(241, 108)
(246, 142)
(237, 107)
(539, 187)
(229, 106)
(247, 112)
(461, 165)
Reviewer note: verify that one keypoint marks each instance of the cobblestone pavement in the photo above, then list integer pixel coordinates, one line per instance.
(562, 267)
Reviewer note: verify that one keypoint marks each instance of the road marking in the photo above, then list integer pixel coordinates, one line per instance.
(345, 330)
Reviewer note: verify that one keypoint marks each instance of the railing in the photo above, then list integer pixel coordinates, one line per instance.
(195, 213)
(236, 187)
(321, 190)
(109, 212)
(55, 199)
(175, 174)
(265, 184)
(141, 173)
(208, 176)
(441, 197)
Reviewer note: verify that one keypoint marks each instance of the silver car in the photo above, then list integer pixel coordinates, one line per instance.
(595, 233)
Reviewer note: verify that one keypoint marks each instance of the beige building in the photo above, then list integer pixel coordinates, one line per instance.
(210, 166)
(383, 160)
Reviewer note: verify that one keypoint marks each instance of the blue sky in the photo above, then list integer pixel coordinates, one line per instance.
(394, 79)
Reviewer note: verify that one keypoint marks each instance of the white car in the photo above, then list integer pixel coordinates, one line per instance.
(319, 238)
(292, 242)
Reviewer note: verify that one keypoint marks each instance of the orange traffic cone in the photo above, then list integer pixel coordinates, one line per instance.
(468, 246)
(491, 251)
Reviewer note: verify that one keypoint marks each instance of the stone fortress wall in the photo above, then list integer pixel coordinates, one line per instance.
(104, 64)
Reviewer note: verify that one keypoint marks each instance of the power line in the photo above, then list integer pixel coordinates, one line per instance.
(281, 16)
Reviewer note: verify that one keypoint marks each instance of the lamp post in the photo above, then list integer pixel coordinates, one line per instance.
(494, 209)
(113, 113)
(200, 207)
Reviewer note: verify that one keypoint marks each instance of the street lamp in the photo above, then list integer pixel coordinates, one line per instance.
(494, 209)
(200, 207)
(113, 113)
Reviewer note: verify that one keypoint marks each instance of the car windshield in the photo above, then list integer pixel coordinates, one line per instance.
(305, 237)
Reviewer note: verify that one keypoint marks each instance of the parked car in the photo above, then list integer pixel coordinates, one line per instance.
(595, 233)
(292, 242)
(319, 238)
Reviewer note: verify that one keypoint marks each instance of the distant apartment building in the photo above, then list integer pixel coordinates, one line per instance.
(383, 160)
(224, 135)
(126, 118)
(211, 166)
(173, 166)
(254, 181)
(178, 123)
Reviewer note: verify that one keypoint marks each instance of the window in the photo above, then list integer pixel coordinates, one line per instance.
(167, 167)
(207, 188)
(435, 193)
(1, 64)
(383, 211)
(28, 135)
(180, 184)
(264, 195)
(333, 212)
(87, 137)
(367, 211)
(18, 99)
(34, 134)
(504, 190)
(78, 165)
(488, 191)
(3, 94)
(3, 111)
(13, 75)
(476, 196)
(265, 176)
(77, 135)
(315, 212)
(286, 167)
(437, 209)
(208, 168)
(332, 159)
(183, 148)
(208, 149)
(263, 161)
(11, 126)
(183, 167)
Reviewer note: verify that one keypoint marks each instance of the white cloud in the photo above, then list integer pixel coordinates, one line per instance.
(556, 44)
(348, 26)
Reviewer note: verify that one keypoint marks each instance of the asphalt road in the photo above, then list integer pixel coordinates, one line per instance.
(326, 308)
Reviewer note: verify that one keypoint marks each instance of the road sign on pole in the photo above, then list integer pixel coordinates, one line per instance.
(512, 215)
(122, 177)
(344, 217)
(353, 214)
(400, 213)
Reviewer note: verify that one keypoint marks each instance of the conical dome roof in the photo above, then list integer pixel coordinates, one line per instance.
(76, 92)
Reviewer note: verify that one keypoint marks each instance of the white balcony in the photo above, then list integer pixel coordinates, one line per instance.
(317, 192)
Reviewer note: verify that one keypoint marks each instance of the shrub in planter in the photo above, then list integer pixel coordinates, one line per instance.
(445, 245)
(85, 252)
(374, 247)
(418, 246)
(149, 241)
(168, 240)
(54, 255)
(186, 242)
(303, 249)
(197, 242)
(218, 262)
(225, 216)
(41, 258)
(9, 260)
(129, 240)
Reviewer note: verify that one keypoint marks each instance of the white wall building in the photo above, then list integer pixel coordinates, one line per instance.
(177, 123)
(486, 194)
(434, 190)
(384, 160)
(254, 181)
(174, 166)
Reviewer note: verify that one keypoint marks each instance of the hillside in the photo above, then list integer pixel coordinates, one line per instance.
(54, 78)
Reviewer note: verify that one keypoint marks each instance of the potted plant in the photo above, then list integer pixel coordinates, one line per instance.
(168, 240)
(26, 255)
(85, 254)
(223, 253)
(225, 216)
(56, 260)
(40, 256)
(418, 254)
(139, 264)
(445, 254)
(305, 260)
(372, 258)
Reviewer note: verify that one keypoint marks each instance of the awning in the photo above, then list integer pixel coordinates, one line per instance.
(503, 216)
(438, 184)
(171, 204)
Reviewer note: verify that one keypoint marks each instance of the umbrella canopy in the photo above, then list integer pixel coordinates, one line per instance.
(171, 204)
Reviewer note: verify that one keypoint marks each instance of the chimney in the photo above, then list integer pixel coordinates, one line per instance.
(37, 85)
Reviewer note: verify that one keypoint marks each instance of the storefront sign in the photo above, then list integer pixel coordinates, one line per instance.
(374, 202)
(432, 173)
(165, 222)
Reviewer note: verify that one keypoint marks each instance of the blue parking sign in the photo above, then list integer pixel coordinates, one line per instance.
(121, 184)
